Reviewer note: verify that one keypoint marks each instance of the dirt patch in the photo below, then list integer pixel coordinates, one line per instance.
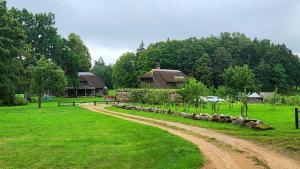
(220, 150)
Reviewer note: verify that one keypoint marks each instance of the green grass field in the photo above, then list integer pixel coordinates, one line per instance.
(284, 137)
(72, 137)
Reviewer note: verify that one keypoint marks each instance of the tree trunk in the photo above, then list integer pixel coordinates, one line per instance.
(40, 101)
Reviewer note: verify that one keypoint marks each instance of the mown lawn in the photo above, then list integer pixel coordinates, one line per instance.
(72, 137)
(284, 137)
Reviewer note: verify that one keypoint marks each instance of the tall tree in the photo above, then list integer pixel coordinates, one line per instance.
(239, 79)
(103, 71)
(81, 51)
(279, 77)
(11, 42)
(221, 59)
(204, 69)
(47, 76)
(40, 31)
(124, 74)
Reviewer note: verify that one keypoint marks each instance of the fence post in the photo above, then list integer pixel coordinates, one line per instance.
(95, 103)
(297, 118)
(58, 103)
(73, 103)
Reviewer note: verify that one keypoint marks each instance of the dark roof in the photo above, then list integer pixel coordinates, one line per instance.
(92, 79)
(163, 76)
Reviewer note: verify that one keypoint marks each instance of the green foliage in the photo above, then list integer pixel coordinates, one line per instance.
(238, 79)
(192, 91)
(206, 59)
(221, 92)
(124, 72)
(11, 43)
(103, 71)
(244, 107)
(19, 101)
(41, 35)
(204, 70)
(47, 77)
(80, 52)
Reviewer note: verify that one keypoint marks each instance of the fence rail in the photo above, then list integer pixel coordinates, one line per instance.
(75, 103)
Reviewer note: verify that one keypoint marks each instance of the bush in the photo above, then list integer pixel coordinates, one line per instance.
(283, 100)
(291, 100)
(19, 101)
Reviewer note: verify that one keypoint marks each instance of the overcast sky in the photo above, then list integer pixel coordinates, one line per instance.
(111, 27)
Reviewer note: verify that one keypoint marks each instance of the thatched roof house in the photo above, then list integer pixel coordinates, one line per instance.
(89, 85)
(164, 78)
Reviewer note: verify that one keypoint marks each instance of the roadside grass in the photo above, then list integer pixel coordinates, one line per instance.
(284, 137)
(73, 137)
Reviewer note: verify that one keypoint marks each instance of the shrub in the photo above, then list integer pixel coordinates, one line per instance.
(19, 101)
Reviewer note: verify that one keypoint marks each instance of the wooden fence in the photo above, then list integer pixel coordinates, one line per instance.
(76, 103)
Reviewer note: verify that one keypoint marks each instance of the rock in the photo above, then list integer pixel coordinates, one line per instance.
(263, 127)
(239, 121)
(215, 118)
(250, 124)
(139, 108)
(198, 117)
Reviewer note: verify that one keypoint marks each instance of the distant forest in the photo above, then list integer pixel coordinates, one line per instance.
(274, 65)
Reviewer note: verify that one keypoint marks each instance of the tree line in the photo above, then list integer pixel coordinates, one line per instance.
(207, 58)
(34, 57)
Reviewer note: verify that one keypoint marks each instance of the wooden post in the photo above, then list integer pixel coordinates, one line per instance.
(58, 103)
(94, 103)
(296, 118)
(73, 103)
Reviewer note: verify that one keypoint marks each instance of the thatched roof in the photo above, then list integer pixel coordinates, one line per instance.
(163, 76)
(93, 80)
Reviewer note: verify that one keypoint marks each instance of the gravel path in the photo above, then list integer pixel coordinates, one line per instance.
(221, 151)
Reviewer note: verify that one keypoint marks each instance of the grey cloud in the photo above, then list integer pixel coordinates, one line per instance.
(122, 24)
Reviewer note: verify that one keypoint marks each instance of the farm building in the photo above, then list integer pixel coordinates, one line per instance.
(164, 78)
(254, 98)
(89, 85)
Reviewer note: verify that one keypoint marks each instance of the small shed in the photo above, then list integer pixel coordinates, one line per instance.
(254, 98)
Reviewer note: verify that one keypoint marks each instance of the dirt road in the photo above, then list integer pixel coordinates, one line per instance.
(220, 151)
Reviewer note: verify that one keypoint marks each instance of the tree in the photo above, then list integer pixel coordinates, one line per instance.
(124, 73)
(103, 71)
(141, 48)
(99, 62)
(11, 43)
(191, 93)
(47, 76)
(239, 79)
(40, 32)
(279, 78)
(221, 59)
(223, 50)
(80, 51)
(204, 69)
